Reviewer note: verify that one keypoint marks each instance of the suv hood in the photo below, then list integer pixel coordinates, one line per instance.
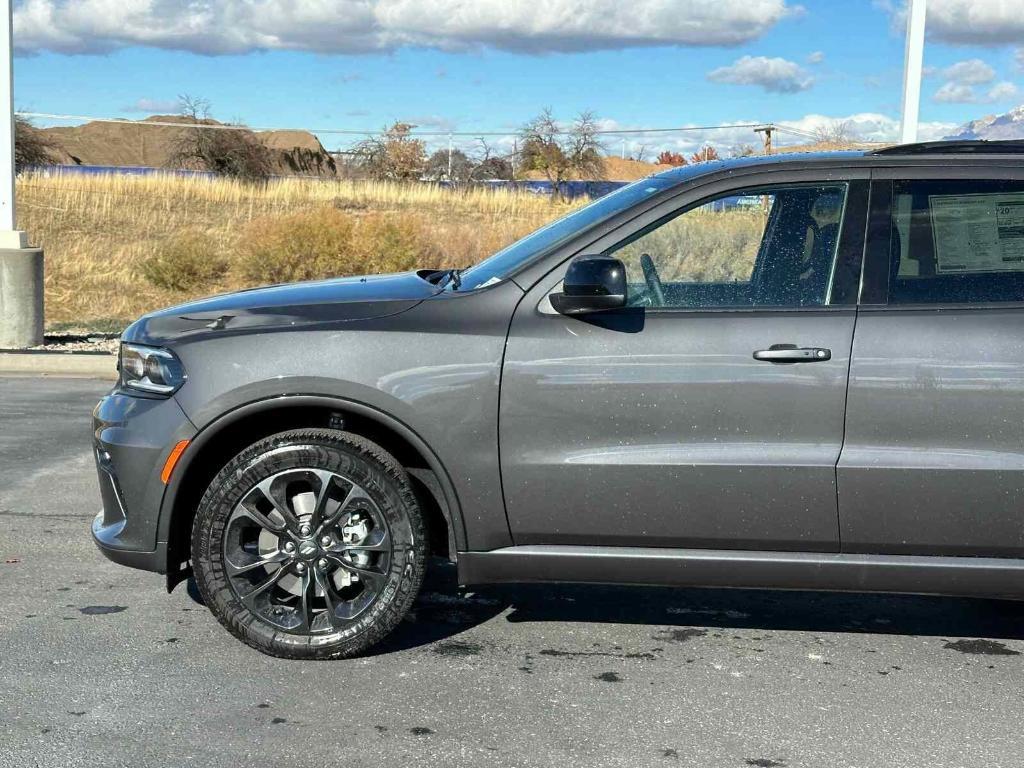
(287, 306)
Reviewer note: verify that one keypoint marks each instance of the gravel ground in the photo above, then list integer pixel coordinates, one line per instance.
(70, 342)
(102, 668)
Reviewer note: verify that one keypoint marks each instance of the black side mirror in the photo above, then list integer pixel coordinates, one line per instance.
(591, 284)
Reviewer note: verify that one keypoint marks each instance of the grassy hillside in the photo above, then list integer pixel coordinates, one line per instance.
(118, 246)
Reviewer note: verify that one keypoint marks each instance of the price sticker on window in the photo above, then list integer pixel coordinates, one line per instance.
(978, 233)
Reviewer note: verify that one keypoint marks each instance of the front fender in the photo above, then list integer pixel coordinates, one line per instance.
(252, 409)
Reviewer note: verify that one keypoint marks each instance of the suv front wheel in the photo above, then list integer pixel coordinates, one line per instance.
(310, 544)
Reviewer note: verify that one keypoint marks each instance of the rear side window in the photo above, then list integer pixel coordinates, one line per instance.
(957, 242)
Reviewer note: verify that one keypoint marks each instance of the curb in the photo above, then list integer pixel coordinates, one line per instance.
(90, 365)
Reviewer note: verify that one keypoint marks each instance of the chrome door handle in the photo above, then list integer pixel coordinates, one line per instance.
(790, 353)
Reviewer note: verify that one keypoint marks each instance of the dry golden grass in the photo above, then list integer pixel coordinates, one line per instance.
(99, 231)
(701, 246)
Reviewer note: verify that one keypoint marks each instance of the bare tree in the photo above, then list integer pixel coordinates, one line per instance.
(490, 166)
(395, 154)
(455, 167)
(561, 154)
(236, 152)
(31, 146)
(835, 132)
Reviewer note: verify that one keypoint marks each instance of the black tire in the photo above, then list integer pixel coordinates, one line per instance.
(350, 457)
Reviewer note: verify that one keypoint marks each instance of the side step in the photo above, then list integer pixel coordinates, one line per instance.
(964, 576)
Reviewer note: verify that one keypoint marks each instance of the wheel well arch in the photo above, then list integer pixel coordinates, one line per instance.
(217, 443)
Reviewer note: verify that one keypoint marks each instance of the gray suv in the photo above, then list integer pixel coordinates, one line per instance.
(792, 372)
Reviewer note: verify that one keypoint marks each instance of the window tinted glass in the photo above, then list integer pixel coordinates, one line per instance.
(771, 247)
(955, 242)
(499, 266)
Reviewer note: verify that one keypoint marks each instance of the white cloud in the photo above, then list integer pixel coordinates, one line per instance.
(955, 93)
(969, 72)
(353, 26)
(1002, 91)
(961, 79)
(958, 93)
(967, 22)
(865, 126)
(1018, 58)
(431, 122)
(776, 75)
(816, 57)
(155, 106)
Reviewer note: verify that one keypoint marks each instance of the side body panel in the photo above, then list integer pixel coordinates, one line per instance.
(434, 369)
(669, 433)
(934, 456)
(933, 460)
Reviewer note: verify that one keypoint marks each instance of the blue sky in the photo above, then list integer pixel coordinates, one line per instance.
(473, 65)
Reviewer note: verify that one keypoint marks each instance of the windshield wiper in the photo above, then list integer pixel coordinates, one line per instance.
(444, 277)
(451, 277)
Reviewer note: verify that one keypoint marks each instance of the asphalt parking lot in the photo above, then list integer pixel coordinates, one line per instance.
(100, 667)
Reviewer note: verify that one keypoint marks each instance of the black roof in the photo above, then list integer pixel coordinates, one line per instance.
(922, 153)
(955, 147)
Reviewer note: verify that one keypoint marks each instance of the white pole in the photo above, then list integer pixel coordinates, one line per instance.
(21, 267)
(6, 124)
(912, 65)
(623, 149)
(449, 157)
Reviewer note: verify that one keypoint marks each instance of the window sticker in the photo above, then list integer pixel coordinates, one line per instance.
(978, 233)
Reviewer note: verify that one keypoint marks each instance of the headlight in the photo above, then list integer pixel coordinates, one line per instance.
(150, 369)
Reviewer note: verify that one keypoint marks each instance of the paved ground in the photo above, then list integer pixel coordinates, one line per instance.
(100, 667)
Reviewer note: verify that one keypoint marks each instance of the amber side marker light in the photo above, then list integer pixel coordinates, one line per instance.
(172, 460)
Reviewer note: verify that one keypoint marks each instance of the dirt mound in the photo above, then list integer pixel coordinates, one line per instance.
(132, 144)
(616, 169)
(619, 169)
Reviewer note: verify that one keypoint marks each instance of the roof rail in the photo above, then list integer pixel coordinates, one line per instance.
(955, 147)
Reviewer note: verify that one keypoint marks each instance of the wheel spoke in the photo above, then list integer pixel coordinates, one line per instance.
(249, 598)
(274, 558)
(355, 493)
(291, 522)
(307, 594)
(373, 578)
(248, 508)
(377, 541)
(326, 585)
(326, 505)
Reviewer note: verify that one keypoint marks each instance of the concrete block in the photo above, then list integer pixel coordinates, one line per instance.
(21, 297)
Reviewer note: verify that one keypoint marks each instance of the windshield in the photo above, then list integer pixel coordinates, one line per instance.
(496, 268)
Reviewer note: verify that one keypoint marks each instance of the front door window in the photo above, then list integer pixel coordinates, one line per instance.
(768, 247)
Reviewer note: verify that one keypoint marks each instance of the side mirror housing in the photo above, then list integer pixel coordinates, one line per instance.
(591, 284)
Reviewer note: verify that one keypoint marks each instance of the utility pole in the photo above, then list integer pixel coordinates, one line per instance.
(21, 267)
(623, 148)
(767, 131)
(913, 62)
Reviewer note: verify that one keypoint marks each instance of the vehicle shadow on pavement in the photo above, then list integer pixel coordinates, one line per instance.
(444, 611)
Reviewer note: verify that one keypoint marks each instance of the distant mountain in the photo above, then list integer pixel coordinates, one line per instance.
(1006, 126)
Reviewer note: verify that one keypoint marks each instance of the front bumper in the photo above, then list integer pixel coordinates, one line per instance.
(132, 438)
(106, 540)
